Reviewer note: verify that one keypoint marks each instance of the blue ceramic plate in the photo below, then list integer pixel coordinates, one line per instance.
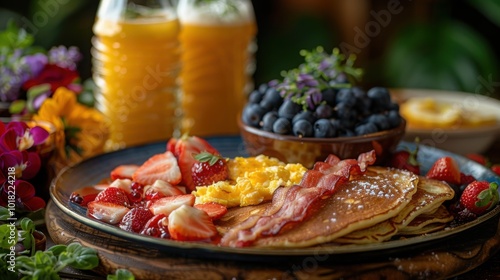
(93, 170)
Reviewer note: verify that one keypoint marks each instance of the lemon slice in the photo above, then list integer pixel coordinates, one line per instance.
(427, 112)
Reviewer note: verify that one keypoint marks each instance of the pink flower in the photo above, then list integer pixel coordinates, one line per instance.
(25, 198)
(18, 136)
(25, 164)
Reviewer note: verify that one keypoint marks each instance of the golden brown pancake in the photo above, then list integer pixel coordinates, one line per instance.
(424, 222)
(429, 197)
(379, 194)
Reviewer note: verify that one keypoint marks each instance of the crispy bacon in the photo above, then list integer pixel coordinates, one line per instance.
(292, 204)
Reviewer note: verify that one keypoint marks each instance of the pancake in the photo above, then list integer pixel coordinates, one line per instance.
(381, 193)
(441, 216)
(429, 196)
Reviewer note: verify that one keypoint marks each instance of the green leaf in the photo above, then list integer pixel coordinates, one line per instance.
(4, 213)
(57, 249)
(14, 37)
(79, 257)
(489, 8)
(8, 236)
(121, 274)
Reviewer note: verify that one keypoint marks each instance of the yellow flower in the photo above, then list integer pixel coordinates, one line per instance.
(80, 131)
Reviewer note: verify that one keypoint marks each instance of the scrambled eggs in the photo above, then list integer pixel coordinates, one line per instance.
(251, 181)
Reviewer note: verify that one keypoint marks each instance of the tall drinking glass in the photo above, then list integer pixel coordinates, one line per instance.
(218, 43)
(136, 62)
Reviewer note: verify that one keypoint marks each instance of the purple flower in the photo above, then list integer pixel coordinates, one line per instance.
(306, 80)
(313, 97)
(35, 63)
(65, 57)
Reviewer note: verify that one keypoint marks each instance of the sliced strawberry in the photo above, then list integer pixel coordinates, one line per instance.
(168, 204)
(185, 148)
(106, 211)
(208, 169)
(123, 171)
(187, 223)
(160, 189)
(124, 184)
(158, 167)
(157, 226)
(214, 210)
(113, 195)
(135, 219)
(171, 145)
(445, 169)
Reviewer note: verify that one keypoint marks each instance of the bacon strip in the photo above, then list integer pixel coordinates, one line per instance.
(292, 204)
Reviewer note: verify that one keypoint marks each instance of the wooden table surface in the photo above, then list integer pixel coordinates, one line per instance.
(489, 269)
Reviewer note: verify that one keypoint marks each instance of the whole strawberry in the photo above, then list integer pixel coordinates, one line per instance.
(209, 168)
(496, 168)
(406, 160)
(445, 169)
(480, 196)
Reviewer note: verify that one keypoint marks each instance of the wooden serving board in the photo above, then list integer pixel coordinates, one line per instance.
(445, 258)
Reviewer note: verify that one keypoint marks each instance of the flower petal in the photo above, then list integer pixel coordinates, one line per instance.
(34, 203)
(39, 134)
(33, 164)
(8, 141)
(24, 189)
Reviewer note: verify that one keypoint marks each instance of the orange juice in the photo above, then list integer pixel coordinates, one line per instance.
(216, 66)
(136, 63)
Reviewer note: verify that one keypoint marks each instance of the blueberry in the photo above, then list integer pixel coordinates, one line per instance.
(346, 96)
(255, 97)
(365, 128)
(302, 128)
(393, 107)
(347, 133)
(323, 129)
(252, 114)
(380, 120)
(324, 111)
(329, 96)
(381, 99)
(268, 120)
(288, 109)
(304, 115)
(273, 97)
(336, 124)
(282, 126)
(394, 118)
(263, 87)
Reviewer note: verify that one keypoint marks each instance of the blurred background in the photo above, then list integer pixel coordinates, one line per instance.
(440, 44)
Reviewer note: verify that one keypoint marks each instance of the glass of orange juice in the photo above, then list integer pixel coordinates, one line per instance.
(136, 63)
(217, 41)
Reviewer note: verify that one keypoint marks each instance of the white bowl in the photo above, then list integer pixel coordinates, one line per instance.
(457, 140)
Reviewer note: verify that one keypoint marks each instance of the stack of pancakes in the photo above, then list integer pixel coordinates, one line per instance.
(373, 207)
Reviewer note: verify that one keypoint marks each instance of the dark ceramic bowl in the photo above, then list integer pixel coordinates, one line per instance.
(307, 151)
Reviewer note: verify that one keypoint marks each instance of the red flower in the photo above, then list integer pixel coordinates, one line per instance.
(25, 198)
(54, 75)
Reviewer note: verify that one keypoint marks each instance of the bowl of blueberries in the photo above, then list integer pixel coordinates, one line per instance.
(317, 110)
